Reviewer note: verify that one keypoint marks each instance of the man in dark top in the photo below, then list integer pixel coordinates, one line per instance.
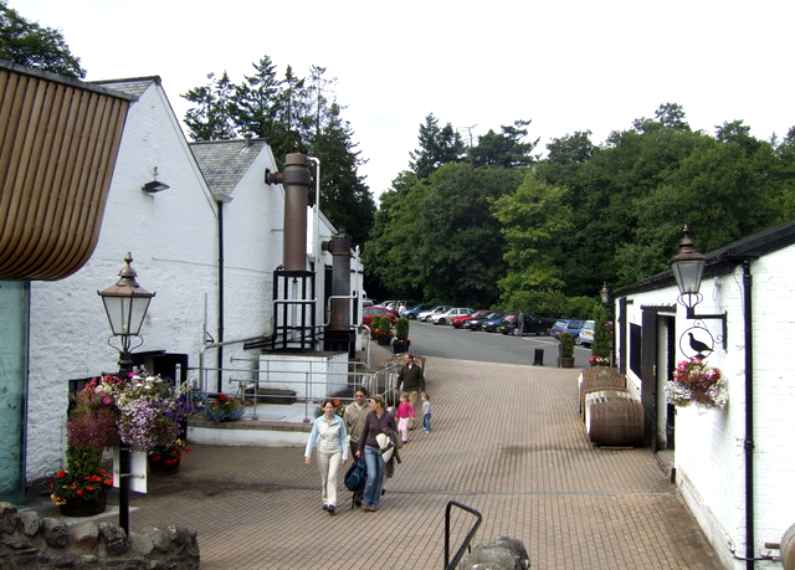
(412, 381)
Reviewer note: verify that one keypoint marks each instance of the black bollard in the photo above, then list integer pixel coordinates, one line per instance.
(538, 357)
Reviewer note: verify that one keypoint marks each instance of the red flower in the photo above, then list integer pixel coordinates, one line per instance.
(90, 488)
(79, 492)
(170, 461)
(108, 482)
(60, 474)
(222, 397)
(155, 457)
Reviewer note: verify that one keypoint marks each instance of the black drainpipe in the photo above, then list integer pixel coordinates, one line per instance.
(220, 293)
(749, 418)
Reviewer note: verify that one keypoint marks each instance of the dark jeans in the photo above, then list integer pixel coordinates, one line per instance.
(426, 422)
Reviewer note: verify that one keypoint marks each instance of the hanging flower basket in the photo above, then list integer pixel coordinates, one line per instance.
(695, 382)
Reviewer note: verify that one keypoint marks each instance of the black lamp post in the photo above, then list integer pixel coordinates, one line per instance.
(604, 295)
(126, 304)
(688, 268)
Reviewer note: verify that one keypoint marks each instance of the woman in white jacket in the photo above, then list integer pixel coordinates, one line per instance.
(330, 438)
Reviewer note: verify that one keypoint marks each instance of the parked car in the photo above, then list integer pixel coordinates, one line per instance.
(574, 327)
(426, 315)
(492, 324)
(412, 312)
(447, 316)
(585, 338)
(559, 327)
(377, 311)
(460, 321)
(509, 324)
(476, 324)
(532, 325)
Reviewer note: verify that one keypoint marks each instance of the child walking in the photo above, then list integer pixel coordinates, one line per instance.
(426, 413)
(405, 413)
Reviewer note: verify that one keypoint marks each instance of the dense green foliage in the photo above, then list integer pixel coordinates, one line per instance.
(291, 114)
(29, 44)
(493, 225)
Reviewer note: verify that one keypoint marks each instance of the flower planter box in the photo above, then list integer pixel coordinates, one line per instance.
(84, 508)
(222, 416)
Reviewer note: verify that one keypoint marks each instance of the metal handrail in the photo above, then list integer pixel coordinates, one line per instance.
(459, 554)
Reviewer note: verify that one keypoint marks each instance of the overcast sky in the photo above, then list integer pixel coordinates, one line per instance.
(567, 65)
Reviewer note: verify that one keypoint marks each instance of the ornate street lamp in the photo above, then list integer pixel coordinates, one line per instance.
(688, 268)
(604, 296)
(126, 304)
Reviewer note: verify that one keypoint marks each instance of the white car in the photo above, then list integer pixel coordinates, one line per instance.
(437, 310)
(585, 338)
(444, 318)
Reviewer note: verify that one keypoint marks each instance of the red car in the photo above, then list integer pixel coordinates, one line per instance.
(459, 321)
(378, 311)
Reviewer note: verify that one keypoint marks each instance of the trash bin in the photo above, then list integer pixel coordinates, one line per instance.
(538, 357)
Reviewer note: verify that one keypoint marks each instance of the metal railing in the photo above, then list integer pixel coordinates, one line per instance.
(302, 382)
(459, 554)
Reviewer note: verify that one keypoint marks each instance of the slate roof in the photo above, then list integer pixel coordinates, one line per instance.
(132, 86)
(223, 163)
(723, 260)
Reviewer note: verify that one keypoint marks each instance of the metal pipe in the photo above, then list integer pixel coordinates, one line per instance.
(316, 230)
(220, 355)
(208, 346)
(748, 444)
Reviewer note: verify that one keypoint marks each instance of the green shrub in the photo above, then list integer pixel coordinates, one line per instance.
(402, 328)
(566, 345)
(602, 339)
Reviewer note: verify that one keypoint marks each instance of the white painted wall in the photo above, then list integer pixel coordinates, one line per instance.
(709, 455)
(253, 243)
(172, 236)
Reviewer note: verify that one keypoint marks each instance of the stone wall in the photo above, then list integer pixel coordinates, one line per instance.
(33, 543)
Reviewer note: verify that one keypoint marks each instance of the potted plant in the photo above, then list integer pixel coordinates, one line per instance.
(566, 350)
(382, 331)
(402, 342)
(80, 489)
(225, 408)
(602, 344)
(695, 382)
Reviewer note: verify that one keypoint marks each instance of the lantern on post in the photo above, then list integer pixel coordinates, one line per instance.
(688, 269)
(126, 304)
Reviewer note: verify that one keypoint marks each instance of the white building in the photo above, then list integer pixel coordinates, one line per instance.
(734, 467)
(207, 245)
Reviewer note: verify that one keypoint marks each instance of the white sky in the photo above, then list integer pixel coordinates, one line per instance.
(567, 65)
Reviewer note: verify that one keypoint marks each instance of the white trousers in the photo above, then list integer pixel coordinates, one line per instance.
(329, 465)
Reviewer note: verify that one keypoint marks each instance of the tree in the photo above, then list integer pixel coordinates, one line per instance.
(533, 218)
(211, 117)
(31, 45)
(437, 146)
(345, 198)
(506, 148)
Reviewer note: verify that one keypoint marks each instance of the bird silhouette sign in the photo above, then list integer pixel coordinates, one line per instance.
(698, 348)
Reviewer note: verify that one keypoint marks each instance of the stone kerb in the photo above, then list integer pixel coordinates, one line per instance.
(30, 542)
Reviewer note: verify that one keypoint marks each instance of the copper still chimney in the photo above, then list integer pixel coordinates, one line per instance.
(297, 181)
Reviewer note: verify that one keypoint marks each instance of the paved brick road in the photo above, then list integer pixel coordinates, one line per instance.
(507, 440)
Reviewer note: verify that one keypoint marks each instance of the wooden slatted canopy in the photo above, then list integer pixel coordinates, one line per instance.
(58, 144)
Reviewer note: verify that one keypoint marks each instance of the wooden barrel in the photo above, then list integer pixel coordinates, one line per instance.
(613, 418)
(600, 378)
(788, 549)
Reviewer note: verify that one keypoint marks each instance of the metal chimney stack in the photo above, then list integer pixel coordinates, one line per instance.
(297, 181)
(340, 248)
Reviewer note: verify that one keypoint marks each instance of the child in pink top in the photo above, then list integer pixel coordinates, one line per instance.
(405, 412)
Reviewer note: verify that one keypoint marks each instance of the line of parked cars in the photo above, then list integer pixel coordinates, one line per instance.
(466, 318)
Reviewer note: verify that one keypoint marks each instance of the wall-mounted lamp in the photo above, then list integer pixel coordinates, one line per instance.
(155, 185)
(688, 268)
